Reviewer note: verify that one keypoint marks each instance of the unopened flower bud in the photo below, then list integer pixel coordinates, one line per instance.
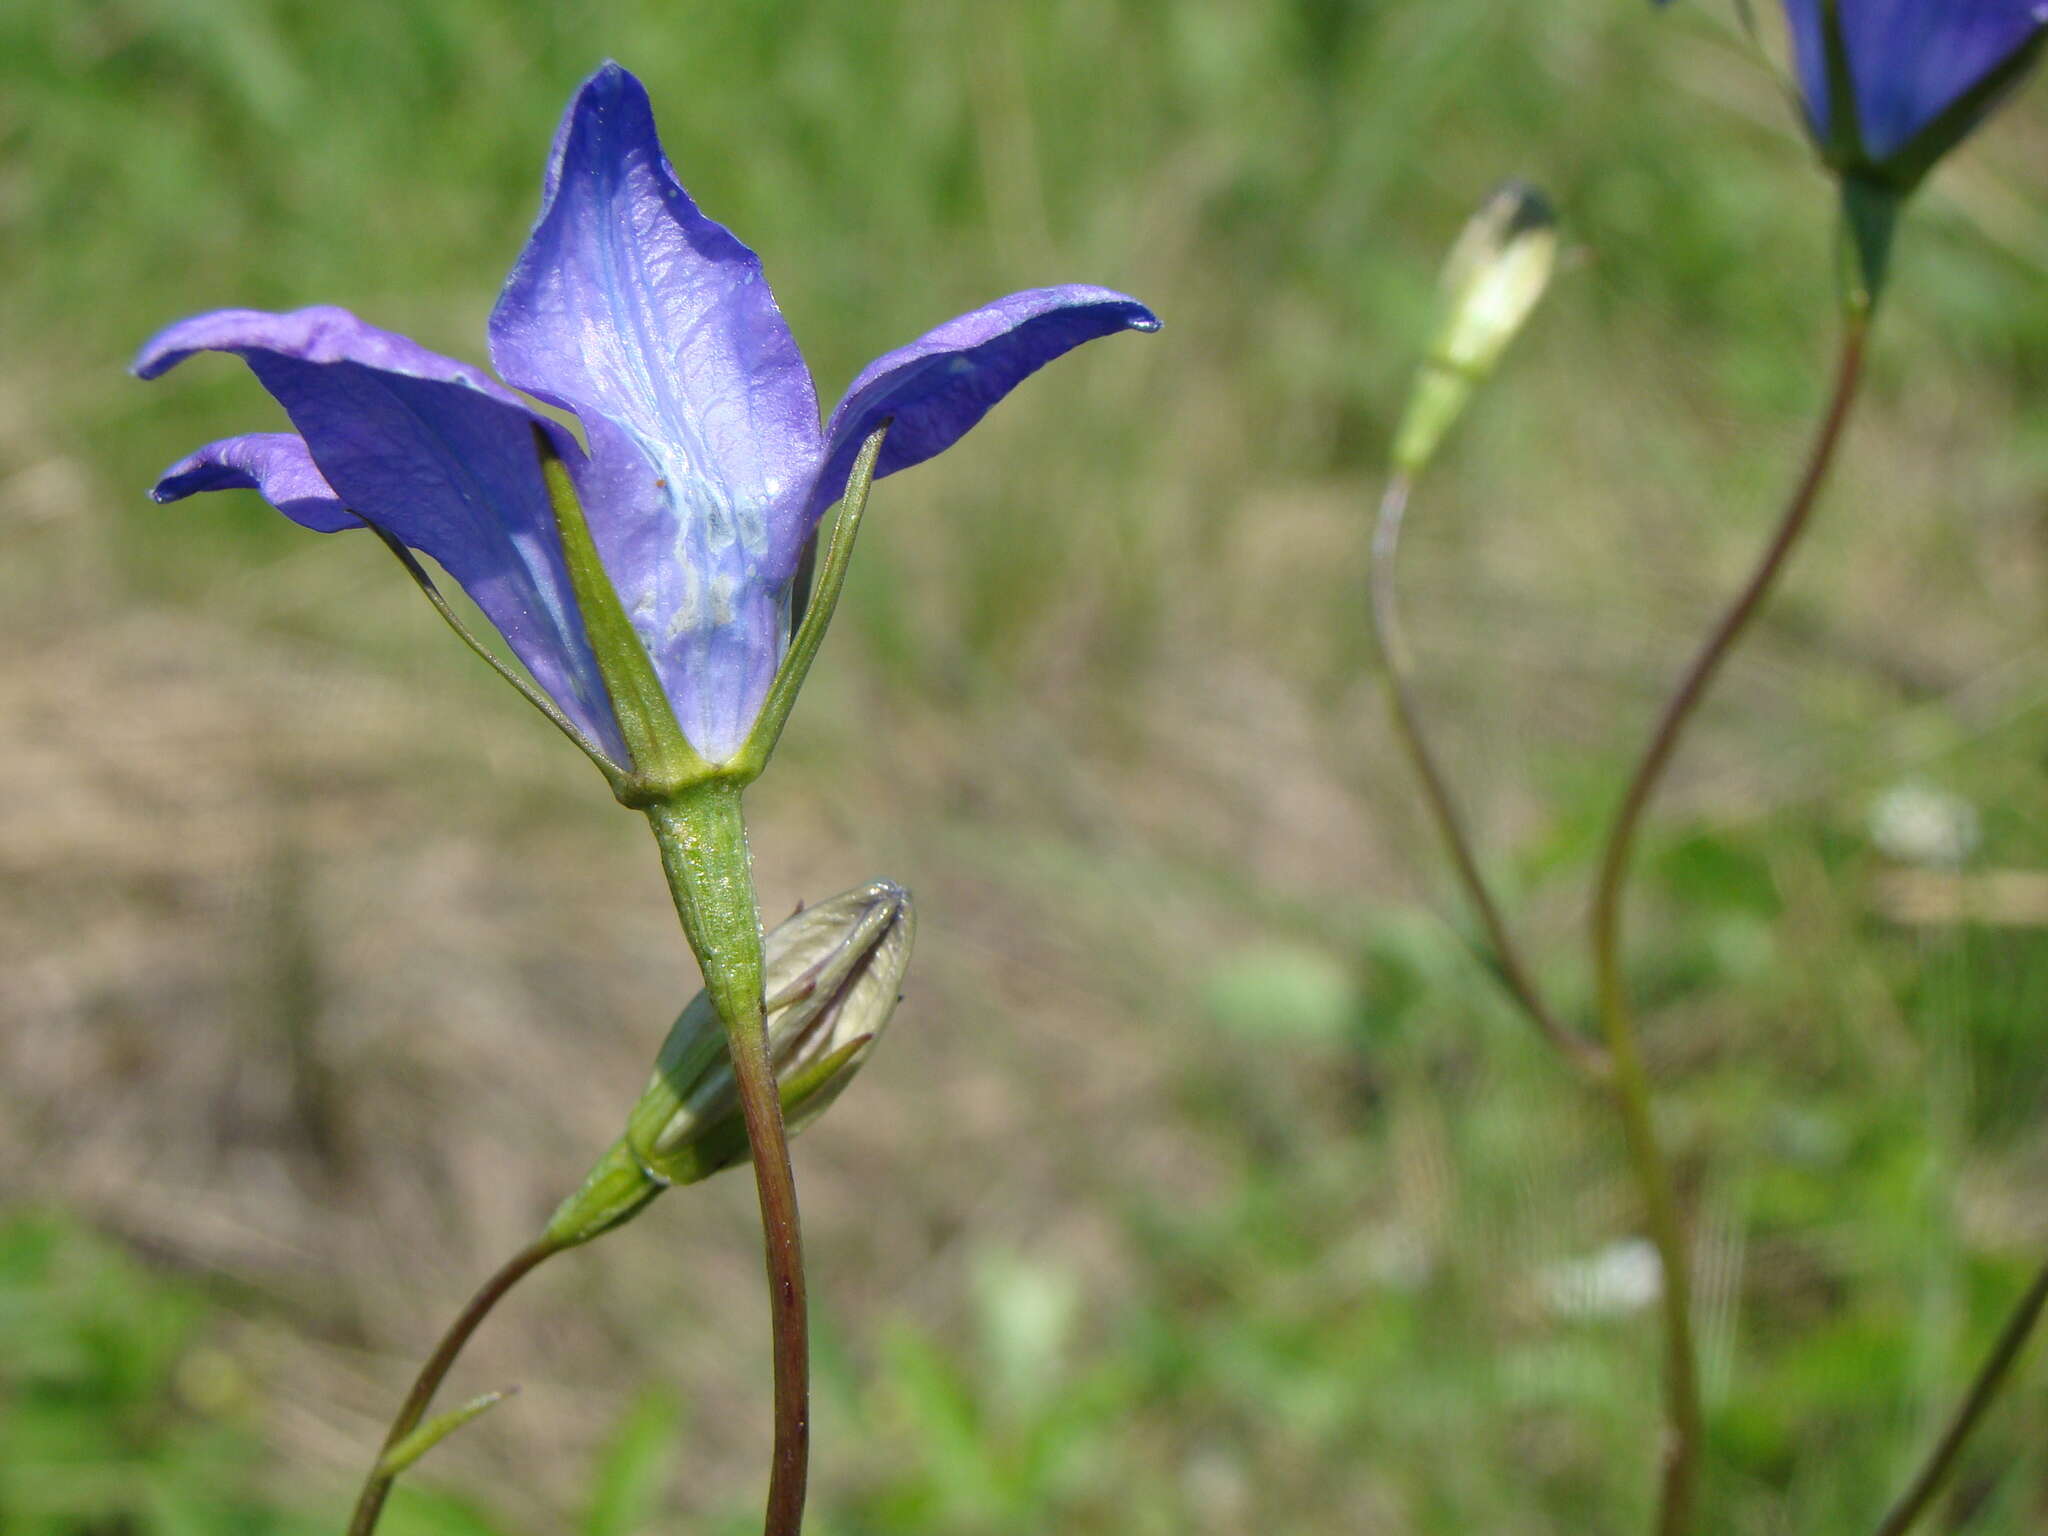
(833, 976)
(1492, 279)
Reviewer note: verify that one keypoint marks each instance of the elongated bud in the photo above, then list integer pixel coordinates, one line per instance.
(1492, 279)
(834, 974)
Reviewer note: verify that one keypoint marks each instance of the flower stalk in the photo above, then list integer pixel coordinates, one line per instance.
(833, 974)
(1630, 1080)
(1502, 952)
(370, 1502)
(1991, 1376)
(703, 840)
(1495, 275)
(702, 834)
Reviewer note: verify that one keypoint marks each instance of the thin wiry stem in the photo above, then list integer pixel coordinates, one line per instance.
(377, 1488)
(2012, 1340)
(1630, 1082)
(1502, 953)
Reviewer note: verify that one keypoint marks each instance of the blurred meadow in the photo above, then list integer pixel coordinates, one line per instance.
(1204, 1184)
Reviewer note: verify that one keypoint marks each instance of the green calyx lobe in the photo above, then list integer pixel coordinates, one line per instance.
(1872, 195)
(1870, 220)
(664, 763)
(817, 614)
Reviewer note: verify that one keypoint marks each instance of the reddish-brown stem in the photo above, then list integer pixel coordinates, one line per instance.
(1629, 1080)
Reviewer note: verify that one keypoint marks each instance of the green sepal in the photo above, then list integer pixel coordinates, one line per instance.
(663, 759)
(430, 1434)
(1870, 221)
(702, 834)
(540, 701)
(827, 582)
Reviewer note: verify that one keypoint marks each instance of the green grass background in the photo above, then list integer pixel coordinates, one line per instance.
(1204, 1185)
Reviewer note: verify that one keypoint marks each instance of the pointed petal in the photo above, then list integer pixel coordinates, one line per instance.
(436, 454)
(944, 382)
(629, 303)
(655, 325)
(275, 464)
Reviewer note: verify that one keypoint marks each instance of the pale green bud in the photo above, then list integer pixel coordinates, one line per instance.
(834, 973)
(1492, 279)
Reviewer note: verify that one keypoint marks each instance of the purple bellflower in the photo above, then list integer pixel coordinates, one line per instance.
(702, 472)
(1890, 86)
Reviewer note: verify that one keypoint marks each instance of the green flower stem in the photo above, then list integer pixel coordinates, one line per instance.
(703, 840)
(1504, 955)
(1991, 1376)
(1629, 1081)
(370, 1503)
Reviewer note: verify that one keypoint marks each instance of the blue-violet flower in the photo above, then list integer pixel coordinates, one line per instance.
(1919, 74)
(702, 471)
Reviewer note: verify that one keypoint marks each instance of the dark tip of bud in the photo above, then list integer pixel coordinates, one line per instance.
(1525, 206)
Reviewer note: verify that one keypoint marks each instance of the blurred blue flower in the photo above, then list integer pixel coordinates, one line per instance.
(703, 470)
(1919, 74)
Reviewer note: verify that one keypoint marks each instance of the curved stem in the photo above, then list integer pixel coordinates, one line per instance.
(370, 1503)
(703, 841)
(1629, 1080)
(2012, 1339)
(1504, 955)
